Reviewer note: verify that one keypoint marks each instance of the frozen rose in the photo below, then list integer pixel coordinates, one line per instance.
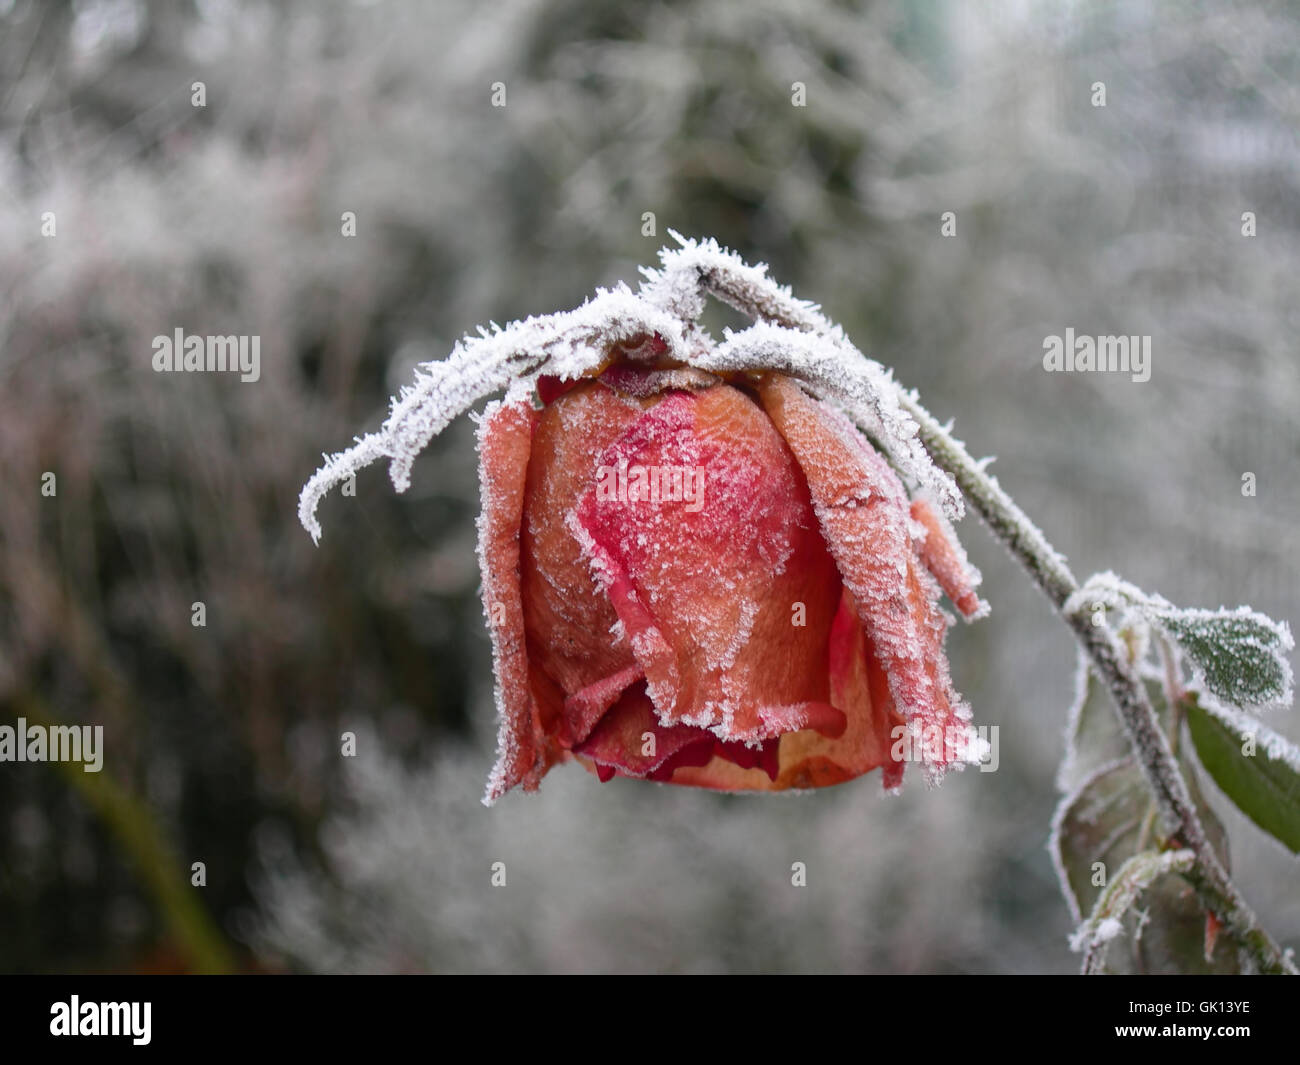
(710, 583)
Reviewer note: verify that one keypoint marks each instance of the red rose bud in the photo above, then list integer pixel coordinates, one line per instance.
(712, 584)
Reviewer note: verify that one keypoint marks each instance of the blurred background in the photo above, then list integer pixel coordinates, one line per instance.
(223, 741)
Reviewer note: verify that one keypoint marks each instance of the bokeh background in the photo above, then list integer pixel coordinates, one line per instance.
(223, 741)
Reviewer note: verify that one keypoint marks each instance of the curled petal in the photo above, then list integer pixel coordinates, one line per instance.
(863, 513)
(584, 709)
(631, 740)
(943, 556)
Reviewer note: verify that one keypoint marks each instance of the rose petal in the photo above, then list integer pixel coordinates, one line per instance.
(568, 618)
(550, 388)
(807, 759)
(863, 512)
(583, 709)
(942, 555)
(505, 436)
(860, 687)
(630, 739)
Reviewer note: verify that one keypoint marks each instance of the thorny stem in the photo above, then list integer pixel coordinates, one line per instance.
(1207, 875)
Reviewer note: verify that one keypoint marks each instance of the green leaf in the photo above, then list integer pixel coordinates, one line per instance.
(1238, 656)
(1264, 784)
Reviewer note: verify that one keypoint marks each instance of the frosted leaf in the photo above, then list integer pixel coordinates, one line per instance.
(1097, 822)
(1239, 656)
(700, 268)
(1275, 746)
(1096, 833)
(567, 345)
(1093, 736)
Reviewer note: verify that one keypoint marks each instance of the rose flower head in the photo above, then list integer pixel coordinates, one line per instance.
(716, 564)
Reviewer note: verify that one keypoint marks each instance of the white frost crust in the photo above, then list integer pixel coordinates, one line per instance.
(566, 345)
(790, 335)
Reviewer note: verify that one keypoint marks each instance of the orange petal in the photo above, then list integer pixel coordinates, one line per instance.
(863, 511)
(943, 556)
(860, 687)
(567, 616)
(807, 759)
(505, 437)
